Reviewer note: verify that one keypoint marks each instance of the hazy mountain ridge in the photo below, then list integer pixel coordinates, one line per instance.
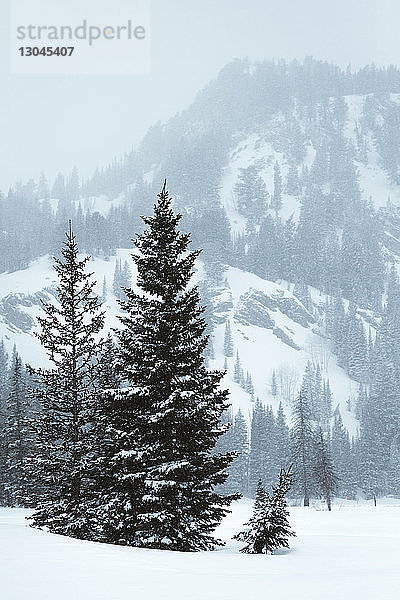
(328, 135)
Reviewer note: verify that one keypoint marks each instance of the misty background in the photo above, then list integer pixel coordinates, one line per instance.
(54, 122)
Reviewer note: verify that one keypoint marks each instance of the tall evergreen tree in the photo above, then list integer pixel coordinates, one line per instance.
(104, 290)
(117, 280)
(3, 395)
(238, 375)
(274, 385)
(165, 420)
(342, 458)
(282, 440)
(251, 193)
(239, 469)
(276, 203)
(326, 405)
(302, 436)
(18, 439)
(69, 333)
(324, 471)
(228, 342)
(257, 457)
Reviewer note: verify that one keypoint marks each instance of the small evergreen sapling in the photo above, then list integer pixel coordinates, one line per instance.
(268, 529)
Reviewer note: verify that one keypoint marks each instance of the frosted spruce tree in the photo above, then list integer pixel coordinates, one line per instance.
(69, 332)
(258, 446)
(276, 202)
(302, 446)
(228, 342)
(18, 439)
(268, 529)
(281, 439)
(239, 469)
(253, 534)
(343, 458)
(324, 471)
(274, 385)
(3, 396)
(162, 425)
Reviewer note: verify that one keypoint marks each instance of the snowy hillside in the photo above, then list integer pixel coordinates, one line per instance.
(271, 329)
(267, 147)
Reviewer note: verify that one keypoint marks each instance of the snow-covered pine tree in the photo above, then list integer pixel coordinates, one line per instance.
(3, 370)
(4, 375)
(117, 279)
(165, 423)
(3, 396)
(302, 437)
(258, 444)
(326, 405)
(342, 458)
(253, 535)
(18, 438)
(274, 385)
(248, 385)
(324, 471)
(317, 393)
(271, 468)
(282, 440)
(238, 376)
(100, 440)
(251, 193)
(302, 292)
(276, 202)
(228, 342)
(380, 414)
(107, 367)
(279, 530)
(126, 275)
(239, 469)
(293, 186)
(104, 290)
(69, 332)
(268, 529)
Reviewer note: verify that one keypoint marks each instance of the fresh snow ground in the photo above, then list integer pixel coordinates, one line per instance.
(352, 552)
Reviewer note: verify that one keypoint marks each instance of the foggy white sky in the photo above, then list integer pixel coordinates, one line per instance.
(52, 122)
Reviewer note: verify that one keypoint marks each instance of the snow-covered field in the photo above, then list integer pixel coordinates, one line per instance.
(352, 553)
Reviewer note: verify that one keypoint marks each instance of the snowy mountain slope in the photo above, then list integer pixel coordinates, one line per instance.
(271, 329)
(101, 204)
(265, 148)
